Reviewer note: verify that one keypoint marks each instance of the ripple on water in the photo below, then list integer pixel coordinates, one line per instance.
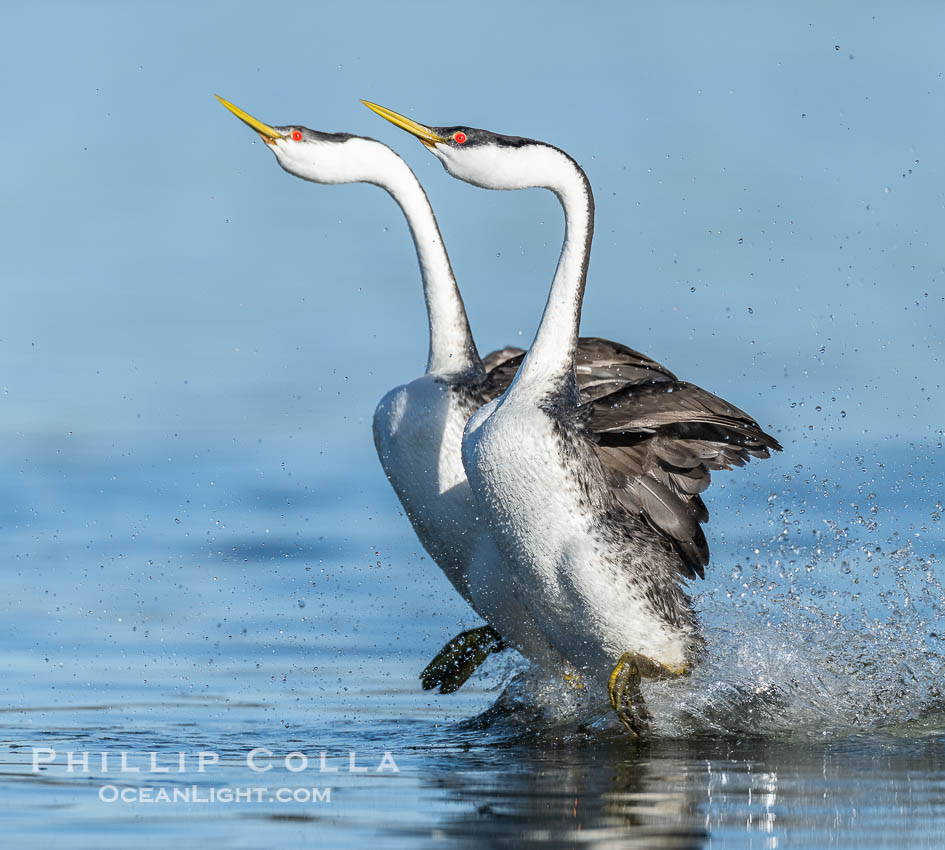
(816, 719)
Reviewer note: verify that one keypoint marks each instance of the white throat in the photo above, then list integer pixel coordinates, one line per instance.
(550, 359)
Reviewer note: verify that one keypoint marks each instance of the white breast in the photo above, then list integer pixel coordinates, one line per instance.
(528, 498)
(567, 573)
(418, 432)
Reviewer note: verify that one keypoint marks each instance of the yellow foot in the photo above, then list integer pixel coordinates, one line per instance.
(624, 686)
(458, 660)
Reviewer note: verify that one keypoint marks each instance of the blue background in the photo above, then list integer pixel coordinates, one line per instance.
(769, 190)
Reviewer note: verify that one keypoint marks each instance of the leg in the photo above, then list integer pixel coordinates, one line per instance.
(458, 660)
(626, 697)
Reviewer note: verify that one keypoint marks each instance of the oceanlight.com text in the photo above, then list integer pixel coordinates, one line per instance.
(194, 794)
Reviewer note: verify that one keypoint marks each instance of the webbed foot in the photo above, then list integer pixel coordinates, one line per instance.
(459, 658)
(626, 697)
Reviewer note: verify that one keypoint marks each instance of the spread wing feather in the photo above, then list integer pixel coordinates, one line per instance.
(658, 442)
(658, 439)
(604, 367)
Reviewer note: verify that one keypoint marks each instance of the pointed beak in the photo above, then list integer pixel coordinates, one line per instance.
(424, 134)
(268, 134)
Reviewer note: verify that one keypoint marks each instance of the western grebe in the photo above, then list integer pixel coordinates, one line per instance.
(596, 507)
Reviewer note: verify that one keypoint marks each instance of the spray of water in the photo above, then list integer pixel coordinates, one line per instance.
(836, 636)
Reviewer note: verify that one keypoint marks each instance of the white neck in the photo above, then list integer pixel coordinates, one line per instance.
(452, 348)
(549, 363)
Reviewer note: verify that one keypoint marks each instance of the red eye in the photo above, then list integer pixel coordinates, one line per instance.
(296, 135)
(459, 137)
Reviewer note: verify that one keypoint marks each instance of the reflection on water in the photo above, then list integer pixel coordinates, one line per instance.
(596, 794)
(599, 791)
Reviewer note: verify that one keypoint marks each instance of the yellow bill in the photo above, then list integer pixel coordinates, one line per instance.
(424, 134)
(268, 133)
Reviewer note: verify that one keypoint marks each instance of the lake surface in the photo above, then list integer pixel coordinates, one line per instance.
(220, 602)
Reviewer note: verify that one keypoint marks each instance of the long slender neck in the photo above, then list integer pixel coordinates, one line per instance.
(549, 364)
(452, 348)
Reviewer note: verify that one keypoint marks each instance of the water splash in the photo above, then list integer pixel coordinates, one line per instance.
(836, 637)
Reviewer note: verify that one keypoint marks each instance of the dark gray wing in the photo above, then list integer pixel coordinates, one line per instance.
(602, 368)
(658, 440)
(500, 367)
